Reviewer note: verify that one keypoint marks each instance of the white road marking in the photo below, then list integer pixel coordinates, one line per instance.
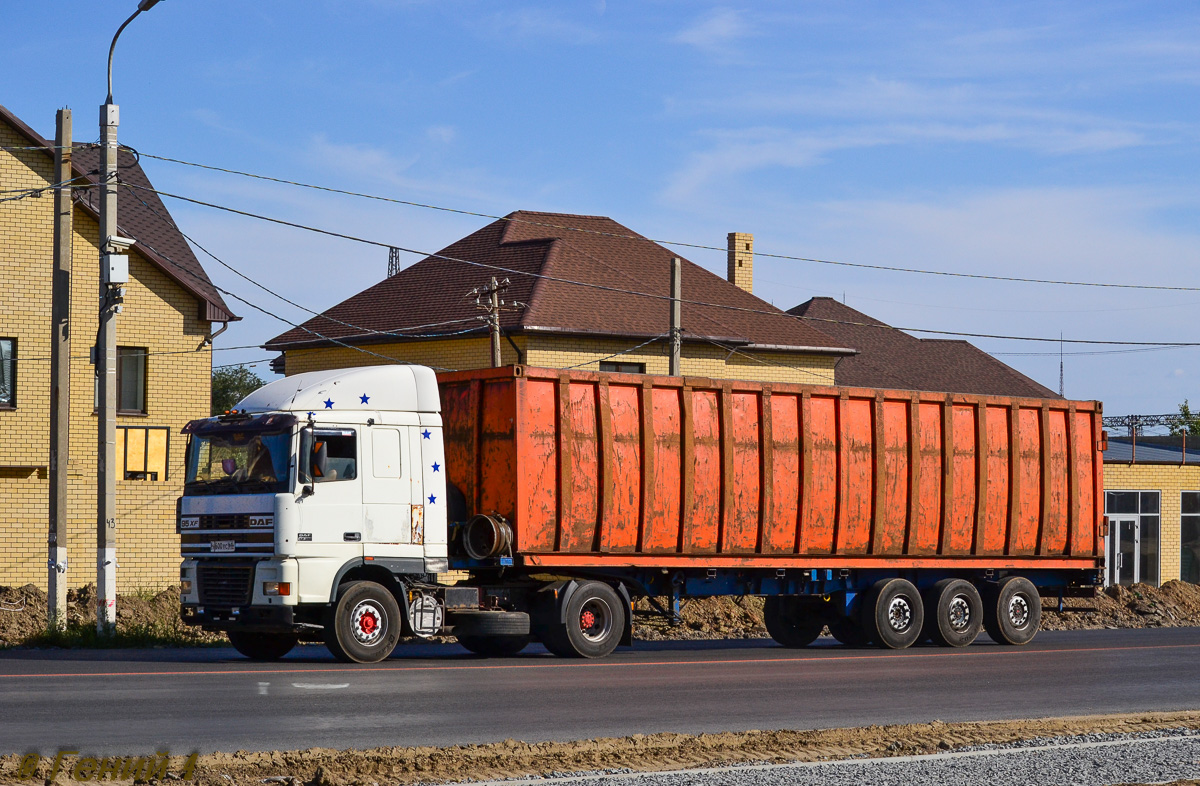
(320, 685)
(262, 688)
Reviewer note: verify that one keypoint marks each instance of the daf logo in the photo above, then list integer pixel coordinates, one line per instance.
(262, 521)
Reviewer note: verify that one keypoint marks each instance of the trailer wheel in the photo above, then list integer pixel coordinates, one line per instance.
(364, 625)
(494, 646)
(262, 646)
(847, 631)
(893, 614)
(1012, 613)
(594, 619)
(790, 622)
(953, 613)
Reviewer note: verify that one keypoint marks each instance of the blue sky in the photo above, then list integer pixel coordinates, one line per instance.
(1048, 140)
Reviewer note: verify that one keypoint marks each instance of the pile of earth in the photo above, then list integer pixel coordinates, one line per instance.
(142, 617)
(1174, 604)
(154, 616)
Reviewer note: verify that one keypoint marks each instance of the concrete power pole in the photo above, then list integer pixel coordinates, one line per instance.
(676, 315)
(60, 375)
(488, 299)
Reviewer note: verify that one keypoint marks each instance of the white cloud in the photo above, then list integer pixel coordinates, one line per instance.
(716, 32)
(441, 134)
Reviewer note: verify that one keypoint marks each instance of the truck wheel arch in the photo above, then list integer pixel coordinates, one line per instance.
(553, 599)
(358, 569)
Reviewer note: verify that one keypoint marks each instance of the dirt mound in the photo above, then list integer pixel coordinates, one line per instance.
(643, 752)
(146, 618)
(1174, 604)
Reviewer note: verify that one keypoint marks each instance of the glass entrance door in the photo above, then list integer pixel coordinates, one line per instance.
(1124, 546)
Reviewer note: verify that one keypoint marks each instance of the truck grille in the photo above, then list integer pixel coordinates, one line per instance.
(229, 535)
(225, 585)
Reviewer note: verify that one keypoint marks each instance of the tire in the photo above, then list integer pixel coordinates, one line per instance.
(847, 631)
(1012, 612)
(479, 624)
(594, 622)
(953, 613)
(495, 646)
(364, 625)
(893, 614)
(262, 646)
(790, 622)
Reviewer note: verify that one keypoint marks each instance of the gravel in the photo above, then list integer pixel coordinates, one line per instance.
(1090, 759)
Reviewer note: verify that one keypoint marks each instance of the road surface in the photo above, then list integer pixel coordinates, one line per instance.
(122, 702)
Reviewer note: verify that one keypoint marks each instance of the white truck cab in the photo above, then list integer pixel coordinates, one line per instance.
(315, 479)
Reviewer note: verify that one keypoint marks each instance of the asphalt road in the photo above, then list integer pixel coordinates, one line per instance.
(127, 702)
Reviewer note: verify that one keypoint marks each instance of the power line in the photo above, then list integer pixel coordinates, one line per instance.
(681, 244)
(620, 290)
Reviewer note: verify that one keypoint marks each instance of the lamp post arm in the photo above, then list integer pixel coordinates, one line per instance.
(112, 47)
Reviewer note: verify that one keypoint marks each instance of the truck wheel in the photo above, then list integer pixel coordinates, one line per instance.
(1012, 613)
(364, 625)
(892, 614)
(953, 613)
(790, 622)
(847, 631)
(594, 621)
(494, 646)
(262, 646)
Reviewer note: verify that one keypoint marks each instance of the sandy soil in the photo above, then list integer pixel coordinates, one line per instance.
(322, 767)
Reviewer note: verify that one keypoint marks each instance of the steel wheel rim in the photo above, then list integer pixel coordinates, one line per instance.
(959, 613)
(595, 620)
(368, 622)
(1018, 610)
(899, 614)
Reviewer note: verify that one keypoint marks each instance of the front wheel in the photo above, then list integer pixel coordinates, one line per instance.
(364, 625)
(262, 646)
(790, 622)
(1012, 612)
(594, 620)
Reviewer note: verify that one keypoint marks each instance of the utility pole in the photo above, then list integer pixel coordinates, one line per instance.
(489, 300)
(114, 275)
(60, 375)
(676, 315)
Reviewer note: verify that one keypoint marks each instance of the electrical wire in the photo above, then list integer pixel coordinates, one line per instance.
(620, 290)
(681, 244)
(618, 354)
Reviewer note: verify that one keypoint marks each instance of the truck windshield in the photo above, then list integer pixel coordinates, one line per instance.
(238, 462)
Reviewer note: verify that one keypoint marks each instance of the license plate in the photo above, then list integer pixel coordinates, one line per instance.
(226, 546)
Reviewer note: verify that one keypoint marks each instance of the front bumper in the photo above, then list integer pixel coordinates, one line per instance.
(251, 619)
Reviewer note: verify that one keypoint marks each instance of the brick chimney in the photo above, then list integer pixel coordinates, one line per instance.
(741, 260)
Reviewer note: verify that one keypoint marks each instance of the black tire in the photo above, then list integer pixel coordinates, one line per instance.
(790, 622)
(1012, 611)
(893, 614)
(495, 646)
(262, 646)
(847, 631)
(594, 622)
(364, 625)
(953, 613)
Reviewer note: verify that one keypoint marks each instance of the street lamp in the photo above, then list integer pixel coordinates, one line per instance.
(114, 275)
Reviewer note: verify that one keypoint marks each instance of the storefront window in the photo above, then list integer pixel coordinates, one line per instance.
(1132, 545)
(1189, 537)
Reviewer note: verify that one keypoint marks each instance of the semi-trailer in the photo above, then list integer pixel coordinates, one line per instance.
(503, 506)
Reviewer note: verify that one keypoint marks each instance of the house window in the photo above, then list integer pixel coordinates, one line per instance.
(8, 373)
(624, 368)
(131, 380)
(1189, 536)
(142, 452)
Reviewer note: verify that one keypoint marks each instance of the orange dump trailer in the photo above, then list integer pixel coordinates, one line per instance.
(613, 469)
(889, 516)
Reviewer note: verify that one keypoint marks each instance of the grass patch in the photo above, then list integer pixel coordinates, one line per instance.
(136, 635)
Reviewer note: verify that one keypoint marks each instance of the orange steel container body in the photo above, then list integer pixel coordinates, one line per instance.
(605, 470)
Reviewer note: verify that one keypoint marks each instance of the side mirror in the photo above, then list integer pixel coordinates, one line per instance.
(319, 461)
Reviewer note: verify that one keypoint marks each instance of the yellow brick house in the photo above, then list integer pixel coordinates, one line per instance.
(164, 359)
(583, 292)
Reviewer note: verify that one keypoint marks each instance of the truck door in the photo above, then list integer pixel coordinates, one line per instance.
(333, 514)
(387, 487)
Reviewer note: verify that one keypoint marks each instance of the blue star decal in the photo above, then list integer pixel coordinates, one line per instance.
(328, 403)
(432, 499)
(436, 466)
(364, 398)
(312, 414)
(425, 434)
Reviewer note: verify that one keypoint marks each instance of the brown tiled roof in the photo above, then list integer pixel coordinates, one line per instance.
(891, 358)
(542, 253)
(157, 237)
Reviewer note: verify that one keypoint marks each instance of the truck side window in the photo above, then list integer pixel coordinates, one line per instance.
(341, 450)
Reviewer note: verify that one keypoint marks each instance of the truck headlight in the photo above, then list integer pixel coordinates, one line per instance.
(277, 588)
